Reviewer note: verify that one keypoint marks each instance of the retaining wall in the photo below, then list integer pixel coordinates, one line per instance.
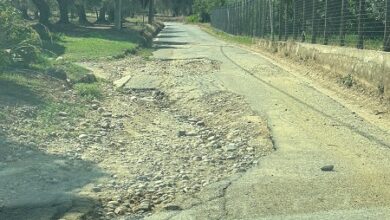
(369, 68)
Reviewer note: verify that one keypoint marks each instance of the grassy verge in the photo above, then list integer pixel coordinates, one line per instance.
(225, 36)
(42, 97)
(350, 40)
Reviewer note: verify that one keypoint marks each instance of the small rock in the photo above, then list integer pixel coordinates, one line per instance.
(200, 123)
(327, 168)
(63, 114)
(105, 125)
(83, 136)
(133, 98)
(172, 207)
(197, 158)
(119, 211)
(107, 114)
(181, 133)
(100, 110)
(95, 106)
(211, 138)
(144, 206)
(59, 58)
(113, 203)
(191, 133)
(231, 147)
(96, 189)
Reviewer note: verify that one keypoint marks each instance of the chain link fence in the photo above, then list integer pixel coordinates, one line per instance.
(353, 23)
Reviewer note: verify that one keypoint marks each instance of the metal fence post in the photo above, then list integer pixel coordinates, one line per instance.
(386, 41)
(286, 20)
(280, 19)
(314, 22)
(360, 43)
(342, 24)
(303, 34)
(326, 23)
(271, 15)
(295, 36)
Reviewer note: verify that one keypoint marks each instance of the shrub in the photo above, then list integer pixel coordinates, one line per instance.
(19, 44)
(193, 19)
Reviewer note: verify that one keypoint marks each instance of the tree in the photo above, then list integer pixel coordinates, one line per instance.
(118, 14)
(44, 11)
(151, 12)
(63, 6)
(81, 6)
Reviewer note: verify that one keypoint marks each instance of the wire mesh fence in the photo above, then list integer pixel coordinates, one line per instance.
(357, 23)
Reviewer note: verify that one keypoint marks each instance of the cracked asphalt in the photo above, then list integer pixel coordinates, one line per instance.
(310, 129)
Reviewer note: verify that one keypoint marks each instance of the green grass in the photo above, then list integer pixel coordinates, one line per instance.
(88, 91)
(79, 48)
(227, 37)
(48, 120)
(26, 89)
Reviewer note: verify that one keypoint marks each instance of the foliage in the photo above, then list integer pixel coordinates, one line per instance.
(193, 19)
(20, 44)
(203, 8)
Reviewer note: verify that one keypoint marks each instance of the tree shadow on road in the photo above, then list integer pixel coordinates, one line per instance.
(37, 185)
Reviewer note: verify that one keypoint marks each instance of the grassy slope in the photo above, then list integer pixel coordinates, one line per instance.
(36, 88)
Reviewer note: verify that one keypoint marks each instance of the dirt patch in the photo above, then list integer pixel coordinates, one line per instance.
(170, 131)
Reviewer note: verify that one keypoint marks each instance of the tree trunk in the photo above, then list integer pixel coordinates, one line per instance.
(102, 15)
(151, 12)
(44, 11)
(63, 7)
(118, 14)
(81, 13)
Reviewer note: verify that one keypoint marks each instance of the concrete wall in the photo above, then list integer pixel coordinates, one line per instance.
(367, 67)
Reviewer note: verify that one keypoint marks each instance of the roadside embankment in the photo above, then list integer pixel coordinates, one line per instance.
(151, 30)
(367, 68)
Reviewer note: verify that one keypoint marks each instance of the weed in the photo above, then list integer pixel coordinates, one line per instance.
(89, 91)
(347, 80)
(2, 116)
(381, 89)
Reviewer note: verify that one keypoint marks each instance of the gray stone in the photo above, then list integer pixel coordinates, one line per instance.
(231, 147)
(200, 123)
(181, 133)
(95, 106)
(327, 168)
(144, 206)
(107, 114)
(63, 114)
(83, 136)
(172, 207)
(96, 189)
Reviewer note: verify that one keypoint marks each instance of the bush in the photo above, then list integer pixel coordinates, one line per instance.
(193, 19)
(20, 44)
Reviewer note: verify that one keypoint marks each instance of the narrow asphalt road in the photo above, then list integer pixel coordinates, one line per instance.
(310, 130)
